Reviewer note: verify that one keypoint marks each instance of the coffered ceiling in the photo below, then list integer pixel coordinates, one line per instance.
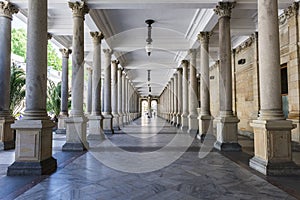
(177, 24)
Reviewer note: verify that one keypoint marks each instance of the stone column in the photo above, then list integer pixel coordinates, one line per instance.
(227, 123)
(63, 115)
(120, 97)
(172, 100)
(114, 94)
(108, 118)
(193, 90)
(123, 98)
(6, 132)
(175, 99)
(185, 97)
(33, 155)
(76, 123)
(126, 100)
(96, 118)
(205, 119)
(169, 102)
(89, 90)
(179, 97)
(149, 107)
(272, 133)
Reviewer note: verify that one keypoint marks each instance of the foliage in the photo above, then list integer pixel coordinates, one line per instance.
(19, 38)
(18, 42)
(17, 90)
(53, 98)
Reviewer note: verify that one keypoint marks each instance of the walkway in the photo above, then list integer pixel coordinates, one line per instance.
(153, 160)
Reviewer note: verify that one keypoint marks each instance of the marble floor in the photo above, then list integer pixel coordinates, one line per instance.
(148, 159)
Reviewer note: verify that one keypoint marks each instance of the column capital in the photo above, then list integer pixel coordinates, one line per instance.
(108, 52)
(204, 37)
(184, 62)
(7, 9)
(49, 36)
(115, 62)
(97, 36)
(65, 52)
(223, 9)
(79, 9)
(179, 70)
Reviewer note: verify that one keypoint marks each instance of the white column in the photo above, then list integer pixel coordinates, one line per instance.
(227, 123)
(33, 154)
(120, 97)
(172, 100)
(89, 88)
(63, 115)
(205, 119)
(123, 97)
(6, 132)
(175, 99)
(272, 133)
(114, 94)
(185, 97)
(108, 118)
(76, 123)
(193, 90)
(96, 118)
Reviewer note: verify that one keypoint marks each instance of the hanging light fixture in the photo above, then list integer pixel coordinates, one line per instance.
(149, 40)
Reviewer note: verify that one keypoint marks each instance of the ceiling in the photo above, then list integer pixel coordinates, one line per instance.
(174, 32)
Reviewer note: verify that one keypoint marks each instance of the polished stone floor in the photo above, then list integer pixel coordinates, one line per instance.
(148, 159)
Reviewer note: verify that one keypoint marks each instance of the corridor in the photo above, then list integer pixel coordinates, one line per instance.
(148, 159)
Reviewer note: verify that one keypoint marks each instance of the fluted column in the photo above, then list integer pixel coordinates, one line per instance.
(193, 90)
(76, 123)
(33, 154)
(63, 115)
(108, 118)
(272, 133)
(227, 123)
(120, 97)
(89, 89)
(96, 118)
(6, 132)
(185, 97)
(205, 119)
(114, 94)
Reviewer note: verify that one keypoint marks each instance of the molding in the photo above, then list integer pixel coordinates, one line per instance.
(247, 43)
(289, 12)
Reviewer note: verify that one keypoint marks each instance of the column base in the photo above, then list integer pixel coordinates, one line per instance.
(44, 167)
(33, 153)
(274, 169)
(76, 134)
(272, 147)
(184, 123)
(178, 119)
(108, 123)
(227, 132)
(61, 121)
(227, 146)
(61, 131)
(121, 120)
(116, 125)
(193, 124)
(95, 128)
(205, 125)
(7, 135)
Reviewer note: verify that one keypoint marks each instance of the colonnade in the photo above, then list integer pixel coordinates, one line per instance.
(271, 130)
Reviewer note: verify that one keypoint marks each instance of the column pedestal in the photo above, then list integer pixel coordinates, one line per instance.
(76, 134)
(184, 122)
(108, 123)
(116, 120)
(6, 133)
(227, 130)
(178, 119)
(61, 125)
(272, 145)
(193, 124)
(33, 148)
(296, 131)
(205, 125)
(95, 128)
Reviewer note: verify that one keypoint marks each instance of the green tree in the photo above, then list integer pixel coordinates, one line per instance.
(18, 42)
(17, 90)
(19, 38)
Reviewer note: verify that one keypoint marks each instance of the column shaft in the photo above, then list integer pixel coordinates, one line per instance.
(185, 97)
(120, 97)
(90, 89)
(114, 94)
(179, 96)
